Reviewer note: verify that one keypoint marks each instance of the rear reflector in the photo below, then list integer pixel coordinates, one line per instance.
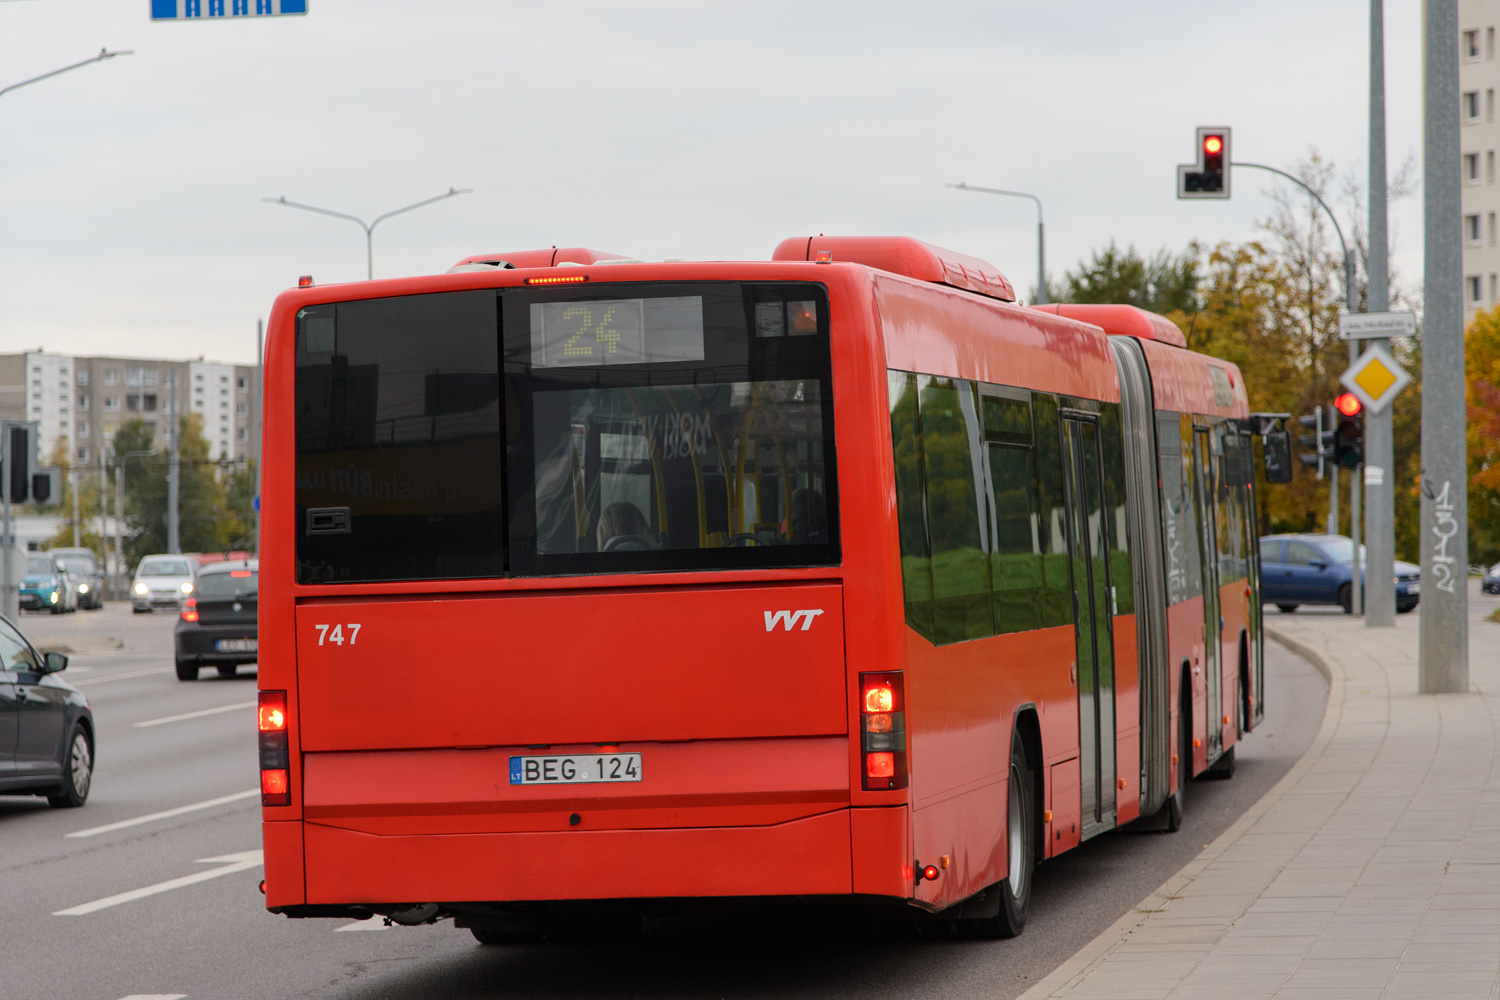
(275, 759)
(882, 731)
(190, 609)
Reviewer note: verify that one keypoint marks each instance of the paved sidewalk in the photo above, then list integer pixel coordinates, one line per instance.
(1371, 870)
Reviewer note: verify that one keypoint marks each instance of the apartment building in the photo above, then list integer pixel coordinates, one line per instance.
(83, 400)
(1478, 80)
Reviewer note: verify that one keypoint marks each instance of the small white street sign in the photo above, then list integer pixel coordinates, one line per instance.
(1375, 378)
(1358, 326)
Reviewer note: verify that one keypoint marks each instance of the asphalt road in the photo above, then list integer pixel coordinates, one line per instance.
(164, 745)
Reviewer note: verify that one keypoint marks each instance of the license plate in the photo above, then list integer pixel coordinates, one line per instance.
(235, 645)
(1413, 588)
(575, 770)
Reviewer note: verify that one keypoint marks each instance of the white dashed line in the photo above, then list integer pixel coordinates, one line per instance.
(195, 715)
(124, 676)
(94, 831)
(230, 863)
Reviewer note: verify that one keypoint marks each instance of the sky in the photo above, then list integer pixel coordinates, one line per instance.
(131, 220)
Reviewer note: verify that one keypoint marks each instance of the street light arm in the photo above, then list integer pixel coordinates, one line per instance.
(321, 211)
(103, 55)
(1295, 180)
(961, 186)
(451, 193)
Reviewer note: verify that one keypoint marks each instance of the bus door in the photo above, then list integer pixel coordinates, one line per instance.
(1204, 488)
(1093, 620)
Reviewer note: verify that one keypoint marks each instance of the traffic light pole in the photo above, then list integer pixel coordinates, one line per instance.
(1380, 586)
(1443, 657)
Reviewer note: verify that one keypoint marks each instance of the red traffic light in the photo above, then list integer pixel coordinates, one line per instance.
(1348, 404)
(1213, 144)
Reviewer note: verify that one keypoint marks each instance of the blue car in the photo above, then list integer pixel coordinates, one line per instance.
(1318, 569)
(47, 586)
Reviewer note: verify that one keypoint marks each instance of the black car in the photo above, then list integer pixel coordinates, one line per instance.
(1491, 582)
(46, 725)
(217, 627)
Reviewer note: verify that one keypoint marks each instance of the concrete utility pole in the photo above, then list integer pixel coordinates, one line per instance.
(173, 545)
(73, 475)
(1380, 587)
(1443, 662)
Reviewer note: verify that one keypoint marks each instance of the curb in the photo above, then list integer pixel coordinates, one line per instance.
(1071, 973)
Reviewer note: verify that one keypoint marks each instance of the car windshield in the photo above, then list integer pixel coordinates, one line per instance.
(1340, 550)
(237, 585)
(166, 567)
(79, 565)
(38, 565)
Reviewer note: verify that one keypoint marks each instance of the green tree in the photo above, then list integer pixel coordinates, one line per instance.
(1163, 283)
(205, 520)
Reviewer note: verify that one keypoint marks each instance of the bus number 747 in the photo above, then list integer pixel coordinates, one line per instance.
(337, 635)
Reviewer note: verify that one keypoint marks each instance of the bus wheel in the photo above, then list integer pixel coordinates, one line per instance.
(1020, 833)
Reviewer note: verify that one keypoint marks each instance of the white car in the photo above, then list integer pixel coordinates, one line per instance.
(163, 581)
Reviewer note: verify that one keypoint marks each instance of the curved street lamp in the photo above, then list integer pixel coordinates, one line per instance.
(103, 55)
(368, 227)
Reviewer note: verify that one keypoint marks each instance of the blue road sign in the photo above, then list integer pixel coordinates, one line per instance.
(213, 10)
(255, 503)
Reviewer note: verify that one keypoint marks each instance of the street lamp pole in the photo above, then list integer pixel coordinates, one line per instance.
(368, 227)
(120, 509)
(1041, 242)
(103, 55)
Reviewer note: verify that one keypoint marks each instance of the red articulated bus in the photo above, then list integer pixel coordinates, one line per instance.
(589, 580)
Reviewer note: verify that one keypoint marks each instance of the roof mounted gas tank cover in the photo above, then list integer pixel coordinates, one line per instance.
(532, 258)
(1122, 321)
(904, 255)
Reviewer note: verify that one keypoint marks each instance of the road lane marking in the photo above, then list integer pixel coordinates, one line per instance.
(230, 863)
(127, 675)
(156, 996)
(375, 923)
(195, 715)
(94, 831)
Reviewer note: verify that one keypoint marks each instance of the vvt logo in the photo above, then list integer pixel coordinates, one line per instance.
(773, 618)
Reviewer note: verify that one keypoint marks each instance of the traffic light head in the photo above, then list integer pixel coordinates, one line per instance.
(1349, 431)
(1209, 176)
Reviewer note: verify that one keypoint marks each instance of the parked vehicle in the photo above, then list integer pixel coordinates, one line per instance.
(46, 725)
(1319, 569)
(48, 585)
(88, 576)
(217, 626)
(1491, 582)
(162, 581)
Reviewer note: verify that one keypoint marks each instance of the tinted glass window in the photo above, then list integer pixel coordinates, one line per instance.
(1179, 519)
(83, 567)
(661, 427)
(38, 565)
(911, 510)
(956, 513)
(1270, 552)
(165, 567)
(1339, 549)
(398, 439)
(15, 654)
(1052, 513)
(1112, 451)
(237, 586)
(1302, 554)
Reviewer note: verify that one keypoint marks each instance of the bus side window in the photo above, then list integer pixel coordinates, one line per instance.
(957, 522)
(1016, 555)
(906, 446)
(1057, 579)
(1112, 444)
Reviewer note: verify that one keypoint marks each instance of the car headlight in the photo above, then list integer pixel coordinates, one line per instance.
(83, 588)
(140, 588)
(52, 597)
(187, 588)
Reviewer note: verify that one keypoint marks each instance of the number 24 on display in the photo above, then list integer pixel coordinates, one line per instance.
(337, 634)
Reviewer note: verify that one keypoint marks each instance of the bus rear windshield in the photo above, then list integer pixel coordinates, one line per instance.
(574, 429)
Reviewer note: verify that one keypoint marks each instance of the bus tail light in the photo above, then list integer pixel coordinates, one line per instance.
(275, 760)
(190, 609)
(882, 731)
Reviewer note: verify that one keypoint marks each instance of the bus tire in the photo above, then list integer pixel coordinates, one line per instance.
(1020, 833)
(1177, 801)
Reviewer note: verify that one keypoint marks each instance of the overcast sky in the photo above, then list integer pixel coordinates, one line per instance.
(130, 212)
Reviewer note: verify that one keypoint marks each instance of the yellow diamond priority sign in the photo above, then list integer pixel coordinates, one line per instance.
(1375, 378)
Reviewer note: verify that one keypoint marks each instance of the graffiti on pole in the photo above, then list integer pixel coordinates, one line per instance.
(1444, 527)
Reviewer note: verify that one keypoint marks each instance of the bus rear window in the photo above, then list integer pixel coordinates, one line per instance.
(630, 428)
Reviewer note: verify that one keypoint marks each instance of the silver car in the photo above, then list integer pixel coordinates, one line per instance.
(162, 581)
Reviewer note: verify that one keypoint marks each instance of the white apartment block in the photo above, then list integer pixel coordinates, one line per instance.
(83, 400)
(1478, 80)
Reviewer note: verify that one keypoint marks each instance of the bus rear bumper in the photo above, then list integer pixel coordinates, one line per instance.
(809, 856)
